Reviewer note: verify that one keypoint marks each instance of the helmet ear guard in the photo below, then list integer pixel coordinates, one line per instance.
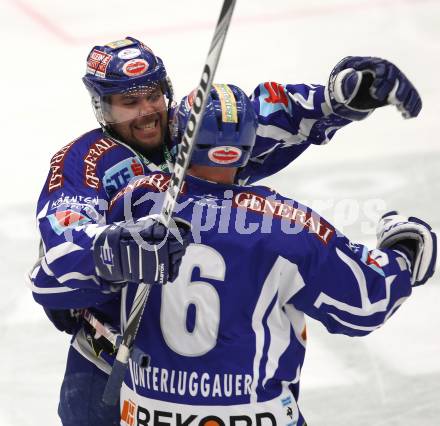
(167, 88)
(228, 129)
(97, 108)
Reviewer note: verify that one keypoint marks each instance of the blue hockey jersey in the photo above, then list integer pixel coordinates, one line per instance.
(86, 173)
(227, 338)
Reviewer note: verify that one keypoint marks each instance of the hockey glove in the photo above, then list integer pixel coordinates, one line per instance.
(357, 85)
(64, 319)
(142, 251)
(412, 237)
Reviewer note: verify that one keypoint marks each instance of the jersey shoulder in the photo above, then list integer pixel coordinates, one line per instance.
(306, 223)
(156, 182)
(66, 157)
(96, 162)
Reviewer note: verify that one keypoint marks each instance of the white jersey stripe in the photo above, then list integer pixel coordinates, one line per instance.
(371, 328)
(290, 282)
(298, 322)
(266, 296)
(46, 268)
(279, 134)
(46, 290)
(354, 326)
(77, 276)
(32, 274)
(367, 308)
(43, 211)
(279, 332)
(61, 250)
(278, 278)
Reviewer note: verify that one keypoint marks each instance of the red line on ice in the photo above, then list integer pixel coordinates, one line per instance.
(188, 27)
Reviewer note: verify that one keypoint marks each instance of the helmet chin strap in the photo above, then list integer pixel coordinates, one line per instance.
(169, 89)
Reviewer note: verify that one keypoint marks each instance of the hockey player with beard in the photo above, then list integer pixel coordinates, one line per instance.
(132, 99)
(227, 338)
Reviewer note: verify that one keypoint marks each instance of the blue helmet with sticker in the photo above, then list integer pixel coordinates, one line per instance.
(227, 131)
(123, 66)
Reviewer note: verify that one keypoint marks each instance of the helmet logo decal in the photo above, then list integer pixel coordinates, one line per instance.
(129, 53)
(135, 67)
(120, 43)
(224, 154)
(97, 63)
(228, 103)
(190, 99)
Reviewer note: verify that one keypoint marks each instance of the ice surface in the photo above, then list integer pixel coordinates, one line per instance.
(391, 377)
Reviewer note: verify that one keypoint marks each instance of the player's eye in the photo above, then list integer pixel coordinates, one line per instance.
(155, 96)
(130, 101)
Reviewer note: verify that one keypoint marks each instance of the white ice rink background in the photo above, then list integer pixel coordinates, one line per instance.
(389, 378)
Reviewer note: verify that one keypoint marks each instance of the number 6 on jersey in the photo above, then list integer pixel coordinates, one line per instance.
(179, 296)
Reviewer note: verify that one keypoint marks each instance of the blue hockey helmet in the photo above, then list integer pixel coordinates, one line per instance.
(125, 66)
(227, 131)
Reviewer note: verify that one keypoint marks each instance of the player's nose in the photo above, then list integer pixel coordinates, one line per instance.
(146, 106)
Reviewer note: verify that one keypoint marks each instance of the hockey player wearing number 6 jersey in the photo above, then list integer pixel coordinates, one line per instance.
(227, 338)
(132, 99)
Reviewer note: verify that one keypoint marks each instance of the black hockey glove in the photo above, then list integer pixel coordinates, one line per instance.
(141, 251)
(357, 85)
(66, 320)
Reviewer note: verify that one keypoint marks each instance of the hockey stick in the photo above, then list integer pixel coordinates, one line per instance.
(141, 358)
(112, 389)
(103, 330)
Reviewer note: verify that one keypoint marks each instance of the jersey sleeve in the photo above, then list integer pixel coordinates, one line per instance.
(290, 118)
(145, 194)
(69, 216)
(350, 289)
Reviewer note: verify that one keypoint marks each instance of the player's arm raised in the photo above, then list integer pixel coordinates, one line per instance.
(353, 290)
(293, 116)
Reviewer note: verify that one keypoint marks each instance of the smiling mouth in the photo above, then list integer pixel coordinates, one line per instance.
(147, 126)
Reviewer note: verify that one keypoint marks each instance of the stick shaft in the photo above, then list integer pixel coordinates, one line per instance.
(100, 327)
(112, 389)
(187, 145)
